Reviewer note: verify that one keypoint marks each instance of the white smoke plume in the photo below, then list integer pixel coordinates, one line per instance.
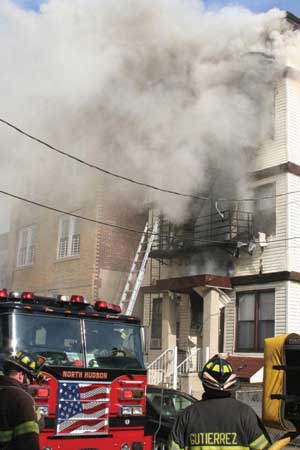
(163, 91)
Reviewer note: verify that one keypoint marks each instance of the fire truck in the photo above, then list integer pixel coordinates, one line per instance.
(93, 394)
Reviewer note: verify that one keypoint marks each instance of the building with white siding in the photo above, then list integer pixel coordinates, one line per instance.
(229, 296)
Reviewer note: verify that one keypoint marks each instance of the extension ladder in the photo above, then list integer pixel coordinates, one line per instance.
(138, 268)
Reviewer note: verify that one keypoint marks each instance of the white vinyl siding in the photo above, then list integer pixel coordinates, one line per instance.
(26, 246)
(274, 151)
(293, 307)
(272, 258)
(68, 237)
(293, 202)
(230, 311)
(293, 119)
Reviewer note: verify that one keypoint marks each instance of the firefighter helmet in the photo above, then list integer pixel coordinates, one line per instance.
(25, 362)
(217, 375)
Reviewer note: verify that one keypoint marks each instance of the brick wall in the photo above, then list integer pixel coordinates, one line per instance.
(106, 253)
(48, 274)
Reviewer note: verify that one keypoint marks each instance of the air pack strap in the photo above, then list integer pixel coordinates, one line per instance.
(287, 368)
(286, 398)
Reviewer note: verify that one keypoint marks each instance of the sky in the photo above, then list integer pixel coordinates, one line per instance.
(255, 5)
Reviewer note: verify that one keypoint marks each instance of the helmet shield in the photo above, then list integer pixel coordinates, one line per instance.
(28, 363)
(217, 375)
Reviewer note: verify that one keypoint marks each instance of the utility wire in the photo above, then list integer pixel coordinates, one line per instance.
(140, 183)
(100, 169)
(61, 211)
(133, 230)
(255, 199)
(99, 222)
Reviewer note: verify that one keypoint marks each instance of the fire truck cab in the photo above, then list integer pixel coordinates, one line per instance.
(94, 391)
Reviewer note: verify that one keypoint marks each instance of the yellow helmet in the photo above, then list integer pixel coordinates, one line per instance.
(29, 363)
(217, 375)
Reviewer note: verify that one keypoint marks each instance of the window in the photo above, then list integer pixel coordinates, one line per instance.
(113, 345)
(265, 209)
(69, 237)
(156, 324)
(74, 342)
(172, 404)
(56, 338)
(255, 322)
(26, 247)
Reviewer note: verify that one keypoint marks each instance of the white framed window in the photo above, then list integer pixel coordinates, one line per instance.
(26, 246)
(68, 237)
(255, 319)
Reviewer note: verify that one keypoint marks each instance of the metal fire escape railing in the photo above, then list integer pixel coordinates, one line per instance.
(213, 229)
(165, 370)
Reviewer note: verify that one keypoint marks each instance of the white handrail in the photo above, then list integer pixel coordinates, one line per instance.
(192, 363)
(162, 368)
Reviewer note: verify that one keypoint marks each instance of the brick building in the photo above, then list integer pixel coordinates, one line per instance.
(51, 253)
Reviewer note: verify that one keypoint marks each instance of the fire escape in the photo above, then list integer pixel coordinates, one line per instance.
(229, 230)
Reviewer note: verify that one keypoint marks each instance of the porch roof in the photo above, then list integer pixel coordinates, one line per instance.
(185, 284)
(245, 367)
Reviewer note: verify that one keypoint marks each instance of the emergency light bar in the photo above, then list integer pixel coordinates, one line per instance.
(102, 305)
(27, 296)
(63, 298)
(14, 294)
(77, 299)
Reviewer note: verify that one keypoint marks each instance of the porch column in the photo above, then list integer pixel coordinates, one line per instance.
(211, 313)
(184, 320)
(168, 321)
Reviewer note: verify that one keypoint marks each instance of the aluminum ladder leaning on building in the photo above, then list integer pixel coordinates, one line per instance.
(138, 269)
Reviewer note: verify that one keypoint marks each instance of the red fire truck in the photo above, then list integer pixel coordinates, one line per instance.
(94, 396)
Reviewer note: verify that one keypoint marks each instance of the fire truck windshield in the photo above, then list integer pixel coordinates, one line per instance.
(75, 342)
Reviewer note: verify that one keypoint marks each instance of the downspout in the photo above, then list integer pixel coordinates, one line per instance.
(288, 231)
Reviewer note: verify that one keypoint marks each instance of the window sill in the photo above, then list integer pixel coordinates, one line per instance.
(26, 266)
(253, 353)
(66, 258)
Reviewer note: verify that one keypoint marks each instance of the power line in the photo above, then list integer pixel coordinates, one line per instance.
(140, 183)
(133, 230)
(61, 211)
(100, 169)
(255, 199)
(99, 222)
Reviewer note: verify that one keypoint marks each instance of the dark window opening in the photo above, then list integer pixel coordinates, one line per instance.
(156, 324)
(265, 209)
(196, 311)
(255, 319)
(221, 329)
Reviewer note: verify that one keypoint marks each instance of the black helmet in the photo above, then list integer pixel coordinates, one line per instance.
(25, 362)
(217, 375)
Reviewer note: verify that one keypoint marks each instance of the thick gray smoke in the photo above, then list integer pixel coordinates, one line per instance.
(162, 91)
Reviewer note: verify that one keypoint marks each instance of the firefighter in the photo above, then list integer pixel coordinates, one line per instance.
(19, 429)
(218, 421)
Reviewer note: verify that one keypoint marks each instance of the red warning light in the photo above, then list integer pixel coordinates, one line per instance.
(3, 293)
(27, 296)
(77, 299)
(101, 304)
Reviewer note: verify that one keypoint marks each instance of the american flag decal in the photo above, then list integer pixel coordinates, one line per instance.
(83, 408)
